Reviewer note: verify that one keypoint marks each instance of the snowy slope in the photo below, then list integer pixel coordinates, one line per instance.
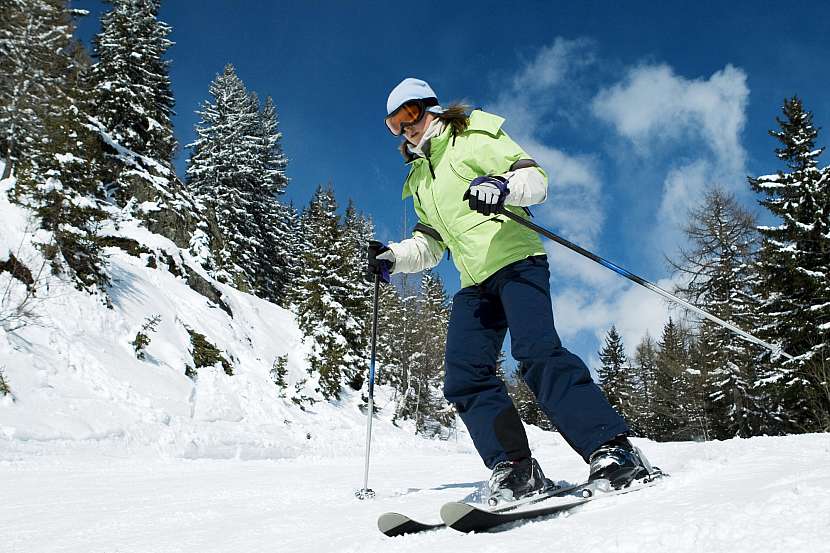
(76, 378)
(756, 495)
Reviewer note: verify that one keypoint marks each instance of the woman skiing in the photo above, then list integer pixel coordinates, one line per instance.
(463, 170)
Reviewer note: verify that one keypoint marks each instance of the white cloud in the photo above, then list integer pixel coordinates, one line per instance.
(663, 117)
(552, 64)
(535, 92)
(653, 105)
(634, 310)
(566, 264)
(574, 202)
(685, 133)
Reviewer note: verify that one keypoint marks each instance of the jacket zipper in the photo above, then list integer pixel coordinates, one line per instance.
(438, 212)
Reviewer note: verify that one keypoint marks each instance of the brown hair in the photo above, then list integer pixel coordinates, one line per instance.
(456, 115)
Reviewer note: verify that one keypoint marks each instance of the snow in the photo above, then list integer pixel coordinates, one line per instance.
(741, 495)
(76, 378)
(769, 178)
(128, 156)
(51, 184)
(65, 159)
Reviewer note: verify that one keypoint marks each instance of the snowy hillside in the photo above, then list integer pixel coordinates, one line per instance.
(74, 373)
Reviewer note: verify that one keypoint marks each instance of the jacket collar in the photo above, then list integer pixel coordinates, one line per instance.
(479, 121)
(423, 147)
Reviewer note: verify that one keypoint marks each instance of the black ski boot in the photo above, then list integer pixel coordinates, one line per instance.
(513, 480)
(618, 462)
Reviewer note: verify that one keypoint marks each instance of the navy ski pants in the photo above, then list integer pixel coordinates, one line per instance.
(518, 297)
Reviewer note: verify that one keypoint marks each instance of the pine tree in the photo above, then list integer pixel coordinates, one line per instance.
(237, 172)
(223, 171)
(645, 421)
(272, 217)
(524, 399)
(134, 100)
(614, 374)
(132, 109)
(703, 392)
(35, 37)
(274, 161)
(390, 329)
(294, 244)
(322, 311)
(407, 352)
(793, 265)
(356, 292)
(433, 314)
(47, 118)
(670, 420)
(721, 272)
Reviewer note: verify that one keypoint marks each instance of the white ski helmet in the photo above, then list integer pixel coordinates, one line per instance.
(412, 89)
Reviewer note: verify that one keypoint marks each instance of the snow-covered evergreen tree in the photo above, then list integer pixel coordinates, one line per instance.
(701, 386)
(274, 220)
(356, 291)
(274, 161)
(133, 105)
(35, 39)
(68, 200)
(323, 297)
(223, 171)
(237, 172)
(793, 265)
(522, 396)
(412, 327)
(433, 315)
(294, 243)
(615, 375)
(644, 420)
(133, 96)
(670, 386)
(719, 264)
(391, 318)
(407, 356)
(47, 118)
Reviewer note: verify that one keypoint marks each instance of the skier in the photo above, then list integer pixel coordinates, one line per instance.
(463, 169)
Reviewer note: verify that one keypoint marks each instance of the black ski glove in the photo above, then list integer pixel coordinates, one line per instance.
(380, 261)
(487, 194)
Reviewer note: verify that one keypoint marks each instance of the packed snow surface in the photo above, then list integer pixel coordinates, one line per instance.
(754, 495)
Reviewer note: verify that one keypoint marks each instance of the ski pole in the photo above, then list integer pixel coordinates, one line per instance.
(366, 492)
(641, 281)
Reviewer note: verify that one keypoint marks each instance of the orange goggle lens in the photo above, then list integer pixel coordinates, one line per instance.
(405, 115)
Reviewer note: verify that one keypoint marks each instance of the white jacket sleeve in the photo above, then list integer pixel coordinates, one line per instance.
(417, 253)
(528, 186)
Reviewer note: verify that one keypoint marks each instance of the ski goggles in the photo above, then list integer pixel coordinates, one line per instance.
(408, 114)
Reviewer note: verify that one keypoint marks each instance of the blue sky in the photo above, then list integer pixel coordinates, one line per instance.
(631, 107)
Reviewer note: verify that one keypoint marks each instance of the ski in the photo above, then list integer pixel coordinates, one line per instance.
(469, 517)
(396, 524)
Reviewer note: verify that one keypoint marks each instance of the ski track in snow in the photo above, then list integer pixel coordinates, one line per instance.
(754, 495)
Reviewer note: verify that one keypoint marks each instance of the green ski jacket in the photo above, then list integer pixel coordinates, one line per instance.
(480, 244)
